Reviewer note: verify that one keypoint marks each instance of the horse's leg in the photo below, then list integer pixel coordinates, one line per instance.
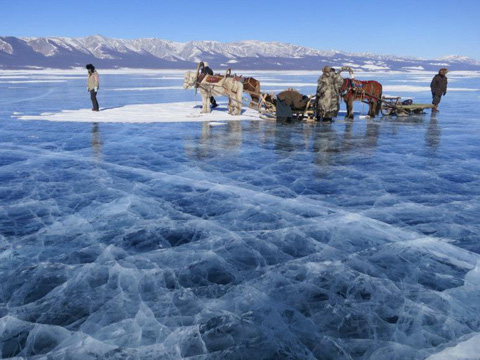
(379, 103)
(253, 101)
(371, 105)
(374, 108)
(205, 104)
(205, 101)
(349, 103)
(203, 94)
(238, 105)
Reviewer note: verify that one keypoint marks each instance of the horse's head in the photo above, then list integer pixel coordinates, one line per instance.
(189, 80)
(251, 84)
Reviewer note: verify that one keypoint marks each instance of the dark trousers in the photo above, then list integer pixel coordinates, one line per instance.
(436, 98)
(93, 97)
(212, 100)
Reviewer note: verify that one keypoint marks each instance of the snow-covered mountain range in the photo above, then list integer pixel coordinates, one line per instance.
(60, 52)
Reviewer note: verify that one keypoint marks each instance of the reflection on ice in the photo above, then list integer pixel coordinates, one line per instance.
(96, 141)
(433, 133)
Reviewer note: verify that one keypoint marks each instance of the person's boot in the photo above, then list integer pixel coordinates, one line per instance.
(435, 108)
(213, 102)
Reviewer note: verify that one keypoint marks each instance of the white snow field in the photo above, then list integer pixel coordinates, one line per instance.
(150, 231)
(147, 113)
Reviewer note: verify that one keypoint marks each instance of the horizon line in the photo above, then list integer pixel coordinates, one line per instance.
(239, 41)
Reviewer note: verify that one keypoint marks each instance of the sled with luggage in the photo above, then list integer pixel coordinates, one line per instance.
(394, 105)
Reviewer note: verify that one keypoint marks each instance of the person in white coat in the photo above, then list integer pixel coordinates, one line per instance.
(93, 85)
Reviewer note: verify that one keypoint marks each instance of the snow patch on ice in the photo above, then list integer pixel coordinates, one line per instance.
(31, 81)
(148, 88)
(413, 88)
(466, 350)
(147, 113)
(41, 77)
(423, 80)
(168, 72)
(168, 78)
(299, 84)
(352, 65)
(375, 67)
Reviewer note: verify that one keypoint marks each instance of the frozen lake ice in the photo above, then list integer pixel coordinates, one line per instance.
(250, 239)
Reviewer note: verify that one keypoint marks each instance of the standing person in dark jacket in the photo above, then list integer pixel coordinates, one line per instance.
(207, 71)
(93, 84)
(439, 87)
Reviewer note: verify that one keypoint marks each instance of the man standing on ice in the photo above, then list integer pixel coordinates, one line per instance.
(207, 71)
(439, 87)
(93, 85)
(328, 94)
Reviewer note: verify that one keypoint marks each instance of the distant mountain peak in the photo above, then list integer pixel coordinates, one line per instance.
(459, 58)
(63, 52)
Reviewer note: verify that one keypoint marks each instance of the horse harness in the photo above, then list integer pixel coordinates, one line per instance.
(358, 89)
(213, 80)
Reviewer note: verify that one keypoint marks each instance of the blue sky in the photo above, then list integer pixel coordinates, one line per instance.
(421, 28)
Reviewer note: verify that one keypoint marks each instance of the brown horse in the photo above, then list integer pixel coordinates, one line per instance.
(252, 87)
(369, 92)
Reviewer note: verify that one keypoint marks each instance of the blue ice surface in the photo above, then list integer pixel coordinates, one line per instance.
(257, 239)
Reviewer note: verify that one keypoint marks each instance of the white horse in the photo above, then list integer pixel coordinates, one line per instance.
(226, 86)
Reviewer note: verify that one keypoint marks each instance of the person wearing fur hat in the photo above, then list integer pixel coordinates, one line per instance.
(207, 71)
(438, 87)
(93, 85)
(328, 94)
